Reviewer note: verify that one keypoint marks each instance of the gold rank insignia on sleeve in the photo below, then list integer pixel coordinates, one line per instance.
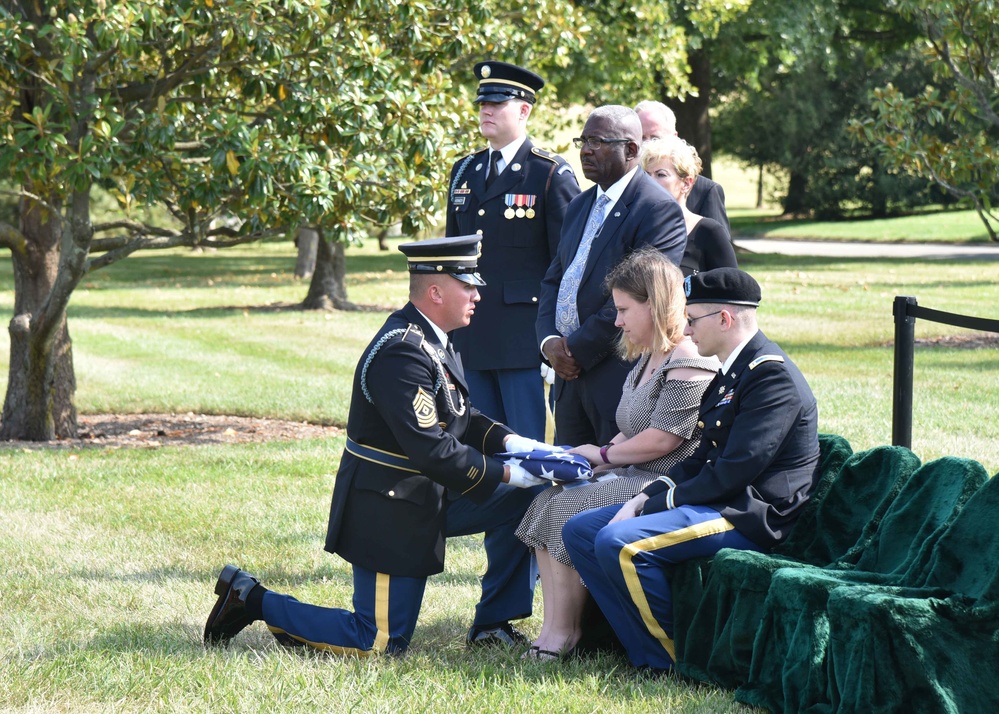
(765, 358)
(425, 409)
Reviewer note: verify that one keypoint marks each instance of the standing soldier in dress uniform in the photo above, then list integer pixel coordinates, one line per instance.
(416, 469)
(514, 195)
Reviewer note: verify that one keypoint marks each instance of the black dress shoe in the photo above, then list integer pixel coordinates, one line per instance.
(229, 616)
(501, 634)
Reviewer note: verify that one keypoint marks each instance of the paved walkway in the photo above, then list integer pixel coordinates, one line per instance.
(850, 249)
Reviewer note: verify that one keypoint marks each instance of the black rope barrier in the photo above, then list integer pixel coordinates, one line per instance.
(906, 311)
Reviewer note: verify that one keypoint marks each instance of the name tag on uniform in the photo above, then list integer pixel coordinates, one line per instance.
(458, 200)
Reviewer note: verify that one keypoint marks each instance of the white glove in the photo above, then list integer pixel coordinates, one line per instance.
(522, 478)
(517, 444)
(547, 373)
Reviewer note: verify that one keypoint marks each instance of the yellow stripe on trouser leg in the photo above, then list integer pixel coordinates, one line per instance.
(381, 612)
(657, 542)
(381, 625)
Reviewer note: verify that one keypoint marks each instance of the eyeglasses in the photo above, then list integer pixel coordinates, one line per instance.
(594, 142)
(692, 320)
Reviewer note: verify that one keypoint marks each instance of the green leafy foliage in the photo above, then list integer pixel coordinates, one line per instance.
(795, 80)
(262, 113)
(948, 131)
(270, 112)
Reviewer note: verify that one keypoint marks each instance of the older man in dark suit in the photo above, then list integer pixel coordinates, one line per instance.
(625, 211)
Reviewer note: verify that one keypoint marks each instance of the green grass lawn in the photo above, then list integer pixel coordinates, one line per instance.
(950, 226)
(110, 555)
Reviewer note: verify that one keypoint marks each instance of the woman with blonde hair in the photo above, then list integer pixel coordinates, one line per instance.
(675, 166)
(657, 418)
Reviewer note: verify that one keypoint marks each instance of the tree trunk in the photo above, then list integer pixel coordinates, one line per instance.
(797, 187)
(693, 123)
(877, 194)
(328, 290)
(41, 382)
(759, 188)
(306, 239)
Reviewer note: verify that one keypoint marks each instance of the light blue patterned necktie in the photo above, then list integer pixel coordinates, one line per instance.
(566, 314)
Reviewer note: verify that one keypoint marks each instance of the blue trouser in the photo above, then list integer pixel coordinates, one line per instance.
(386, 607)
(515, 397)
(624, 567)
(383, 620)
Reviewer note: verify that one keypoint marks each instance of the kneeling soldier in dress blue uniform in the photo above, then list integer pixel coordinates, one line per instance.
(743, 487)
(416, 469)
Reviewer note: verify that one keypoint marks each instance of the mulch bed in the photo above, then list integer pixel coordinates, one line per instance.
(155, 430)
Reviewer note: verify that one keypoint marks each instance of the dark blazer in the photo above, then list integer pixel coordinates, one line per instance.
(707, 199)
(645, 215)
(406, 448)
(516, 251)
(757, 462)
(708, 247)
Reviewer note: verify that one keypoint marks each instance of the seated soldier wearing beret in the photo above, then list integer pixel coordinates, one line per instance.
(417, 468)
(744, 486)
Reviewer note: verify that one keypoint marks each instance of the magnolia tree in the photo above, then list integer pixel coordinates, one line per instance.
(950, 131)
(242, 118)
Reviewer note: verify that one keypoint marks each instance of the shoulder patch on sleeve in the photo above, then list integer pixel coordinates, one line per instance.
(424, 409)
(565, 168)
(765, 358)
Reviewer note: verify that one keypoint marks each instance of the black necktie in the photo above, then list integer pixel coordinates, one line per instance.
(494, 158)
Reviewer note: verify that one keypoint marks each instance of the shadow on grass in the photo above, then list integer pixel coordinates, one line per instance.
(87, 312)
(193, 270)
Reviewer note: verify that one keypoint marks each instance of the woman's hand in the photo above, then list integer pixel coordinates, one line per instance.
(590, 452)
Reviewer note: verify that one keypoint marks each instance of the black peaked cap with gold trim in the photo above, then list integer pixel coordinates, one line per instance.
(457, 256)
(502, 81)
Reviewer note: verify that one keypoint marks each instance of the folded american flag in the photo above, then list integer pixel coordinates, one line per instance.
(552, 465)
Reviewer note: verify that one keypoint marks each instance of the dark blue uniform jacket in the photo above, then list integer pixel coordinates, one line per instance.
(757, 462)
(415, 443)
(516, 251)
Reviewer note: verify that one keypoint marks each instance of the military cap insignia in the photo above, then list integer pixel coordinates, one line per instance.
(425, 409)
(686, 286)
(485, 71)
(765, 358)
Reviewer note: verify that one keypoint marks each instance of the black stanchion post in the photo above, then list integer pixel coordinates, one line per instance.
(905, 338)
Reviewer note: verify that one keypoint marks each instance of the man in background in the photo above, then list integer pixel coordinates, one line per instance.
(625, 211)
(514, 195)
(706, 197)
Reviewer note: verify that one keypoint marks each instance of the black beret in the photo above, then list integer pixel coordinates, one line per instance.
(457, 256)
(501, 81)
(722, 285)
